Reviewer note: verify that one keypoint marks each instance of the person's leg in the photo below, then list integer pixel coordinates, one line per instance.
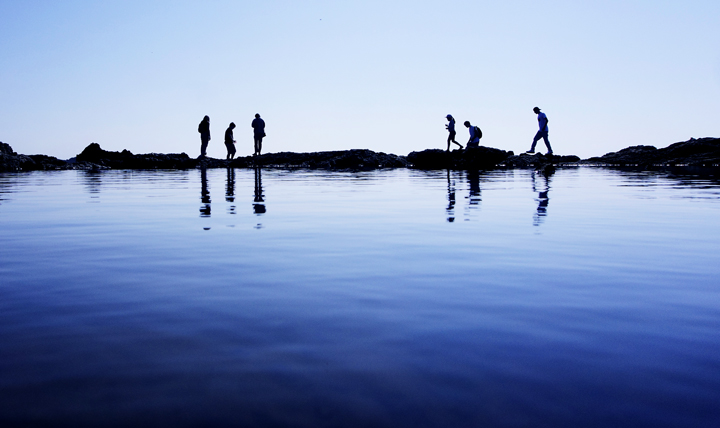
(256, 145)
(547, 143)
(203, 146)
(259, 145)
(452, 136)
(537, 138)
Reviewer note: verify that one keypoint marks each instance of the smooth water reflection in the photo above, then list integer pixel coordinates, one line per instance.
(384, 298)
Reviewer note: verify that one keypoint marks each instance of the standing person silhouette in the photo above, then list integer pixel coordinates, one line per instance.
(204, 130)
(451, 132)
(475, 135)
(258, 133)
(230, 141)
(542, 132)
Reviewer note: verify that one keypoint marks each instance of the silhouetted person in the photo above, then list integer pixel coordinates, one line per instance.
(475, 135)
(451, 132)
(230, 141)
(542, 132)
(258, 133)
(204, 130)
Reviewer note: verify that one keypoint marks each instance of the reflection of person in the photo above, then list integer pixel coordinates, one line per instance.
(230, 189)
(204, 130)
(543, 190)
(542, 132)
(451, 132)
(451, 199)
(259, 205)
(475, 135)
(204, 193)
(229, 141)
(474, 197)
(258, 133)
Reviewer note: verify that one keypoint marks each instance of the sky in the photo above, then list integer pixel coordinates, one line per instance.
(346, 74)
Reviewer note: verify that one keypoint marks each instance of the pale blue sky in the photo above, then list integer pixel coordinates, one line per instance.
(335, 75)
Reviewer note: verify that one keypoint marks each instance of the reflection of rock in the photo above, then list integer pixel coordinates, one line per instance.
(474, 158)
(694, 152)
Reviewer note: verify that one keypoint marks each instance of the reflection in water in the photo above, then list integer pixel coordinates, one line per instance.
(230, 189)
(259, 202)
(92, 180)
(474, 183)
(541, 185)
(451, 198)
(204, 193)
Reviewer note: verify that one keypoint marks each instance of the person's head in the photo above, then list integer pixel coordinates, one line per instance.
(232, 125)
(206, 118)
(467, 123)
(536, 110)
(257, 115)
(449, 117)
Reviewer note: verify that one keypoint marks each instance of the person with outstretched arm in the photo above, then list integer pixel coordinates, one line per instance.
(451, 132)
(204, 130)
(475, 135)
(258, 133)
(542, 132)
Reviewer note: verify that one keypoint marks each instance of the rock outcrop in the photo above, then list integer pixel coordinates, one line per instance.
(693, 152)
(538, 160)
(346, 159)
(127, 160)
(11, 161)
(474, 158)
(703, 152)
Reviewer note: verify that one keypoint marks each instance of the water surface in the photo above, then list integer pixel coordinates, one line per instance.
(581, 297)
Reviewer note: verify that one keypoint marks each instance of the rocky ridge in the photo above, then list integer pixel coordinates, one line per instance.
(703, 152)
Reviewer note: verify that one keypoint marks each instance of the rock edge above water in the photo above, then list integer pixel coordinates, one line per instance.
(703, 152)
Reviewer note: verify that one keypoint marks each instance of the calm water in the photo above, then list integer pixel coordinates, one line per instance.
(586, 298)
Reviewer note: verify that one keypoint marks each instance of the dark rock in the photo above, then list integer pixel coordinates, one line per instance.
(5, 149)
(94, 154)
(630, 155)
(347, 159)
(11, 161)
(538, 160)
(474, 158)
(694, 152)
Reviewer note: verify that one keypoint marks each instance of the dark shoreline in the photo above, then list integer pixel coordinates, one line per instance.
(703, 153)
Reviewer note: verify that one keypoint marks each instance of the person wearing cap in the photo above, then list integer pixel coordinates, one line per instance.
(542, 132)
(475, 135)
(451, 130)
(258, 133)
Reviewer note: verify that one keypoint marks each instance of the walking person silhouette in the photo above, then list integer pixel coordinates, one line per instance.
(542, 132)
(451, 132)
